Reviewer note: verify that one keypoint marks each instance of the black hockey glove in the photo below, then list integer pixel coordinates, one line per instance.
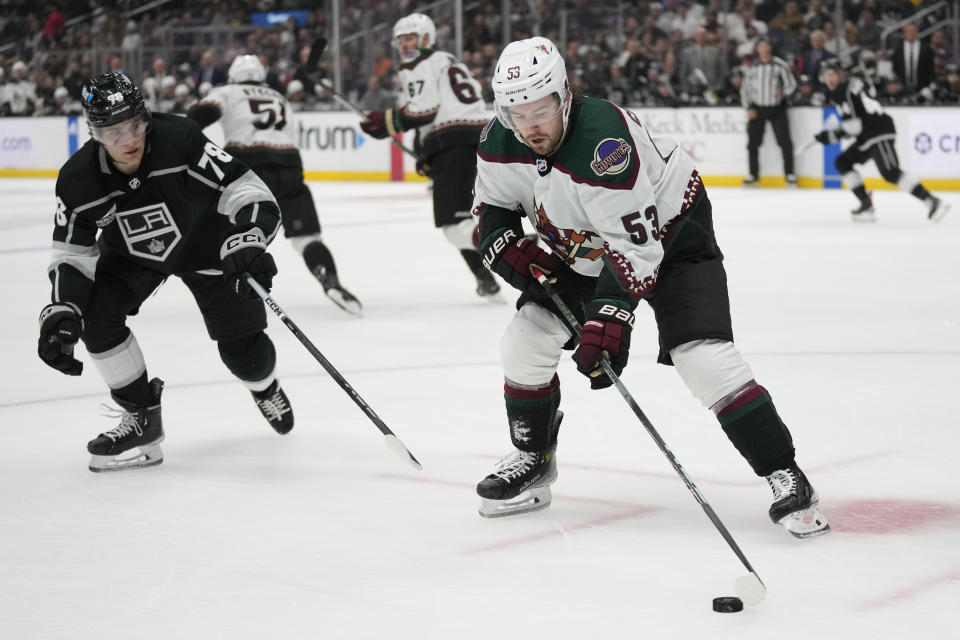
(246, 252)
(828, 136)
(508, 254)
(379, 124)
(60, 327)
(605, 334)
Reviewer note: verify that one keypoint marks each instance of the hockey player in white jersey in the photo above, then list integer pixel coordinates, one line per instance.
(441, 100)
(626, 218)
(259, 128)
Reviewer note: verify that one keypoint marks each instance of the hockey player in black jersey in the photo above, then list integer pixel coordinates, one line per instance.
(149, 197)
(260, 131)
(862, 117)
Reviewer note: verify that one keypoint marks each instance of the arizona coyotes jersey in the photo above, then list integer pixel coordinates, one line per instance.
(441, 99)
(171, 215)
(861, 114)
(253, 116)
(608, 195)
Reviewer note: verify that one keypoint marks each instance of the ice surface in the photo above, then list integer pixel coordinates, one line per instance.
(241, 533)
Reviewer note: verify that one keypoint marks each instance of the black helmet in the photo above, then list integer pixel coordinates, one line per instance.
(111, 98)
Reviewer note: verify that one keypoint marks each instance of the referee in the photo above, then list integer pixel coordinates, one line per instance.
(766, 85)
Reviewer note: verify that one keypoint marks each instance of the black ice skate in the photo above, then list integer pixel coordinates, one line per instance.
(520, 482)
(938, 209)
(795, 504)
(337, 294)
(275, 407)
(487, 286)
(864, 212)
(135, 442)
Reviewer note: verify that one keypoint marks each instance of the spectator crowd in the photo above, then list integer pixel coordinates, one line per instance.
(669, 53)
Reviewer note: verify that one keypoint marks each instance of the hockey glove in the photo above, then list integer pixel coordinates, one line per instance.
(828, 136)
(605, 334)
(379, 124)
(246, 252)
(508, 254)
(60, 327)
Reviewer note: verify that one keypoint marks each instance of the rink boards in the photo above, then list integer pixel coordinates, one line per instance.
(335, 148)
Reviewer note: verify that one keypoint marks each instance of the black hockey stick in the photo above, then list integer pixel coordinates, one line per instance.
(393, 442)
(312, 64)
(363, 114)
(749, 588)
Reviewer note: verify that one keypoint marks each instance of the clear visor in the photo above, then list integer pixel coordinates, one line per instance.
(123, 132)
(523, 116)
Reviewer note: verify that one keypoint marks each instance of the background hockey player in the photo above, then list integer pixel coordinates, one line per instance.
(875, 135)
(166, 201)
(441, 100)
(259, 129)
(583, 170)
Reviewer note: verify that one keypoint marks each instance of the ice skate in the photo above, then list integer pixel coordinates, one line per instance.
(135, 442)
(750, 181)
(795, 504)
(335, 291)
(791, 181)
(520, 482)
(864, 212)
(938, 209)
(275, 407)
(488, 288)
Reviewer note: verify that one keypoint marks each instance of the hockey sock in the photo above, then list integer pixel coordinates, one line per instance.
(920, 192)
(861, 193)
(531, 411)
(251, 358)
(473, 260)
(320, 261)
(752, 424)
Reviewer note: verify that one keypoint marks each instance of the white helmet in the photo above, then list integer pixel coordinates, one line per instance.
(527, 71)
(246, 69)
(419, 24)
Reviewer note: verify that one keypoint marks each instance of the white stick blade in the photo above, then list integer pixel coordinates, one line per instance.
(750, 589)
(394, 444)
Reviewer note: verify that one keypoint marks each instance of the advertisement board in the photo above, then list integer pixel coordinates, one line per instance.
(933, 145)
(16, 142)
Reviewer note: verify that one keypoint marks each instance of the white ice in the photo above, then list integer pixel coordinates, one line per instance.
(241, 533)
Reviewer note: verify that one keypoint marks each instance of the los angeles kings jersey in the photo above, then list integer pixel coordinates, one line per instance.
(258, 123)
(861, 114)
(172, 215)
(607, 196)
(441, 99)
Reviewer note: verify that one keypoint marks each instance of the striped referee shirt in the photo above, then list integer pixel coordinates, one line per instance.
(761, 81)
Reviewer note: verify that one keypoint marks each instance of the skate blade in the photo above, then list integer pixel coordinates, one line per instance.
(808, 523)
(530, 500)
(494, 298)
(862, 218)
(940, 212)
(147, 455)
(349, 304)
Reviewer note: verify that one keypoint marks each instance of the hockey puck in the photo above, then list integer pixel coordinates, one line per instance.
(727, 604)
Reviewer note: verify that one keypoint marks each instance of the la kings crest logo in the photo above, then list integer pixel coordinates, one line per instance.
(150, 232)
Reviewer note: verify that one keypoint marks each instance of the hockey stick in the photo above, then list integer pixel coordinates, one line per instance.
(312, 64)
(749, 588)
(806, 146)
(360, 112)
(393, 442)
